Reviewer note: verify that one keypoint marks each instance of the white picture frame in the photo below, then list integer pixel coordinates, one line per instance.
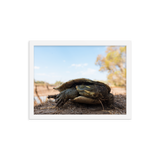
(128, 42)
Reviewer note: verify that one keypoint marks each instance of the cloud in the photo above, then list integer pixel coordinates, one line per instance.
(85, 64)
(36, 67)
(89, 71)
(64, 61)
(79, 65)
(67, 71)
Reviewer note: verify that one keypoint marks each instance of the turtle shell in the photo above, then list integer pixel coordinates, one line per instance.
(74, 82)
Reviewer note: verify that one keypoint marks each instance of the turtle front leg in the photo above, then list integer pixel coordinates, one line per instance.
(65, 95)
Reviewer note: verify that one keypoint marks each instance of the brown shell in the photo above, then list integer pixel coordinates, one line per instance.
(75, 82)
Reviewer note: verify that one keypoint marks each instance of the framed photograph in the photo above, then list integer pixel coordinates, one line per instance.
(79, 80)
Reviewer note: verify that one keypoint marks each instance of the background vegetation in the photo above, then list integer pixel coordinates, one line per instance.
(114, 62)
(43, 83)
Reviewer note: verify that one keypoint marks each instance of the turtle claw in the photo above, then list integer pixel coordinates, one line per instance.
(60, 103)
(60, 99)
(65, 95)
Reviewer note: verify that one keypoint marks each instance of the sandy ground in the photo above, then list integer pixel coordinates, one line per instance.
(44, 91)
(49, 106)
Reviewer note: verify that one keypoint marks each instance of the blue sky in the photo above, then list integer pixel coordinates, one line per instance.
(54, 63)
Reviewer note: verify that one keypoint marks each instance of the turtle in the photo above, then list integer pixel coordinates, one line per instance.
(83, 90)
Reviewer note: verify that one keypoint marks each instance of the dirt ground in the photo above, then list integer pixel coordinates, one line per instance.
(44, 91)
(49, 106)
